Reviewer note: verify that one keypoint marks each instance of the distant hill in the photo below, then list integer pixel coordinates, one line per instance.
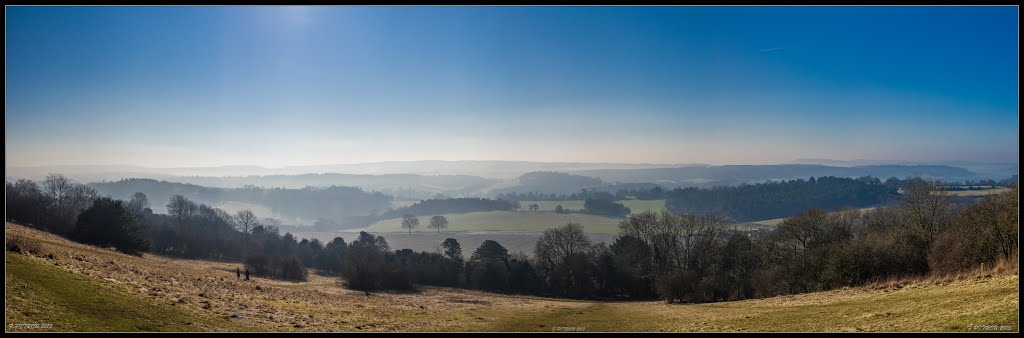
(488, 169)
(547, 182)
(983, 170)
(409, 186)
(708, 176)
(486, 179)
(333, 203)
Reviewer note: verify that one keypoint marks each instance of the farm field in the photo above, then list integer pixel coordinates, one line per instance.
(82, 288)
(634, 205)
(522, 221)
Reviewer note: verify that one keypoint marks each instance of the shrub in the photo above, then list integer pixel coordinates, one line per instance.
(21, 245)
(982, 234)
(277, 267)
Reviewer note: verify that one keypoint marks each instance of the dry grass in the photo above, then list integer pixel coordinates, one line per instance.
(18, 244)
(210, 289)
(206, 296)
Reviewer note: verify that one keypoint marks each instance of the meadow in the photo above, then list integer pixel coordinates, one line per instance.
(521, 221)
(634, 205)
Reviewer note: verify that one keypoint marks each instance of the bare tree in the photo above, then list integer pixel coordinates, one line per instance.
(138, 204)
(555, 245)
(57, 187)
(659, 232)
(67, 201)
(438, 222)
(409, 222)
(245, 221)
(803, 229)
(183, 211)
(79, 198)
(929, 207)
(697, 230)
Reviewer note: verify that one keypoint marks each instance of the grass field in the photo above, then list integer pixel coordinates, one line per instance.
(80, 288)
(775, 221)
(636, 206)
(550, 205)
(522, 221)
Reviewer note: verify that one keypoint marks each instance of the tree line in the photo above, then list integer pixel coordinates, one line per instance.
(751, 202)
(336, 203)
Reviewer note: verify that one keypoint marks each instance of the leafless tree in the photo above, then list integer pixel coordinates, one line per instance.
(138, 204)
(929, 207)
(438, 222)
(57, 187)
(409, 222)
(555, 245)
(245, 221)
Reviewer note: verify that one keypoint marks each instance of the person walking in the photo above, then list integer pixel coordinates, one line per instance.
(246, 273)
(238, 273)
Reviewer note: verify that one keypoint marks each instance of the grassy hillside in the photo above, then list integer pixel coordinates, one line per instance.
(926, 306)
(81, 288)
(44, 294)
(523, 221)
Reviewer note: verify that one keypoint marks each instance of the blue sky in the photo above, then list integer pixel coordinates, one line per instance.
(278, 86)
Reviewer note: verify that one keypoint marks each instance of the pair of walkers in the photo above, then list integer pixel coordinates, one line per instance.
(238, 273)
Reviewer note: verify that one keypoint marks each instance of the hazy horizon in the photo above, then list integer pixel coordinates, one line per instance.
(275, 87)
(837, 162)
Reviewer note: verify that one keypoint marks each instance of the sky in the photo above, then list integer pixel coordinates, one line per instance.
(282, 86)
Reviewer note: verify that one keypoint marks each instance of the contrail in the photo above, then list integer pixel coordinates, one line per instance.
(771, 49)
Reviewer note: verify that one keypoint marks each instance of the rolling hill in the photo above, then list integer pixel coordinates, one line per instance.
(725, 175)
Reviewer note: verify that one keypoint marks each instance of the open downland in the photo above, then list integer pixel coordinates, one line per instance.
(634, 205)
(522, 221)
(771, 223)
(81, 288)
